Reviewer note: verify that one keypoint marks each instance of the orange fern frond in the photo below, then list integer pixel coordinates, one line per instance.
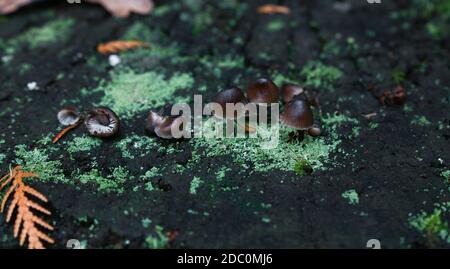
(27, 224)
(119, 46)
(273, 9)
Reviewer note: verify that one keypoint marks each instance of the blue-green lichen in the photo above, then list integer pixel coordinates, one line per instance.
(129, 93)
(351, 196)
(83, 143)
(51, 32)
(158, 241)
(195, 184)
(38, 161)
(245, 151)
(319, 75)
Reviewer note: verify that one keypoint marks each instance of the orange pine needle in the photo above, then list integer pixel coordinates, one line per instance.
(119, 46)
(274, 9)
(65, 131)
(27, 225)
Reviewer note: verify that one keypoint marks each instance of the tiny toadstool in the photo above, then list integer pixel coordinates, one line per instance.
(102, 122)
(68, 116)
(299, 116)
(153, 120)
(169, 123)
(263, 91)
(289, 91)
(233, 96)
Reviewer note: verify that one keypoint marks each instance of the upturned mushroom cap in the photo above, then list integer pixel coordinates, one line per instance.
(233, 96)
(314, 131)
(153, 120)
(102, 122)
(164, 129)
(289, 91)
(297, 115)
(263, 92)
(68, 116)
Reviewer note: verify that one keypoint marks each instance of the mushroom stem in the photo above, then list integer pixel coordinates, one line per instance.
(298, 135)
(65, 131)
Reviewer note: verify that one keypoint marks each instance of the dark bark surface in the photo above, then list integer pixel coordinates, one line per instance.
(387, 178)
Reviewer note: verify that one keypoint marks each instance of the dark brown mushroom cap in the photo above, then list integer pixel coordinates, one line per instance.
(68, 116)
(263, 91)
(102, 122)
(298, 115)
(233, 96)
(289, 91)
(153, 120)
(164, 129)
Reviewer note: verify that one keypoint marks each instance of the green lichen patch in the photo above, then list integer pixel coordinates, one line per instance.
(83, 144)
(51, 32)
(351, 196)
(275, 26)
(136, 146)
(420, 121)
(319, 75)
(129, 93)
(217, 65)
(159, 240)
(195, 184)
(113, 183)
(150, 174)
(432, 226)
(38, 161)
(160, 46)
(272, 149)
(446, 175)
(2, 158)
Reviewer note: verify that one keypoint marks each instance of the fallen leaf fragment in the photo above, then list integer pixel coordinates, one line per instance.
(274, 9)
(119, 46)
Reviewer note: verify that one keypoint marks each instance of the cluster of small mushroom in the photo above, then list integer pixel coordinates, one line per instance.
(297, 113)
(100, 122)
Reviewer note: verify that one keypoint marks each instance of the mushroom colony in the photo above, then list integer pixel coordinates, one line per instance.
(297, 113)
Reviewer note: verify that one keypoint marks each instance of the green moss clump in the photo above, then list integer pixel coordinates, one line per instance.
(318, 75)
(352, 197)
(83, 143)
(302, 168)
(195, 184)
(159, 241)
(38, 161)
(432, 226)
(52, 32)
(129, 93)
